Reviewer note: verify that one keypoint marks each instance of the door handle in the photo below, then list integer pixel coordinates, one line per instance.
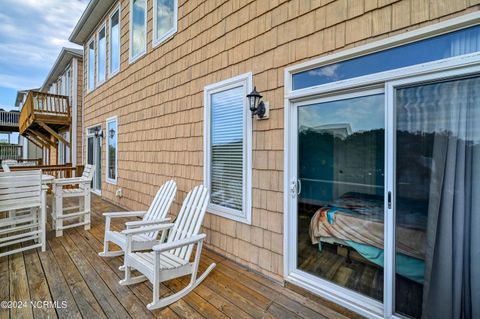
(299, 190)
(293, 188)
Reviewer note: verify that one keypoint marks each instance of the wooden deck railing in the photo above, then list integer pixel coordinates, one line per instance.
(59, 171)
(45, 107)
(10, 151)
(9, 120)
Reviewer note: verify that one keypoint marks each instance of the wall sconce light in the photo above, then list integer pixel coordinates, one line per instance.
(257, 106)
(111, 133)
(98, 132)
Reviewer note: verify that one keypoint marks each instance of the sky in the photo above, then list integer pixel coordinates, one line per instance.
(32, 34)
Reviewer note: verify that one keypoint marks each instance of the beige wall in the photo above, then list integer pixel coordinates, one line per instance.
(159, 98)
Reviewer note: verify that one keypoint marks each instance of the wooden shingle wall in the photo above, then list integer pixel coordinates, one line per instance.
(159, 98)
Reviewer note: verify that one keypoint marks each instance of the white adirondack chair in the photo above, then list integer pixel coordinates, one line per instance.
(5, 168)
(82, 192)
(171, 259)
(22, 191)
(156, 214)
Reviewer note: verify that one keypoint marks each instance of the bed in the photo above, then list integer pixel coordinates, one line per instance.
(357, 220)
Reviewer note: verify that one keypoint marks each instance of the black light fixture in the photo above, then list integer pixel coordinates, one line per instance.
(256, 105)
(111, 133)
(98, 132)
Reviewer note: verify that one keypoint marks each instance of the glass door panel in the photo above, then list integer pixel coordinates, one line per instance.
(98, 163)
(94, 157)
(340, 202)
(437, 192)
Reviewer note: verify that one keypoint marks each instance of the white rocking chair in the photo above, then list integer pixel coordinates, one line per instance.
(156, 214)
(82, 192)
(171, 259)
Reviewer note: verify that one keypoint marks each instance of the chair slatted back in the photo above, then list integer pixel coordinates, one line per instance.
(20, 190)
(161, 204)
(189, 220)
(87, 174)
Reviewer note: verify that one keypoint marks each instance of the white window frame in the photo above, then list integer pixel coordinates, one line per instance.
(156, 40)
(114, 72)
(97, 55)
(244, 216)
(108, 179)
(89, 63)
(465, 64)
(132, 59)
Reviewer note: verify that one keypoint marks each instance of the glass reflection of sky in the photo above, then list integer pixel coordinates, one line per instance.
(114, 44)
(91, 64)
(360, 114)
(101, 55)
(164, 16)
(440, 47)
(450, 106)
(138, 28)
(227, 116)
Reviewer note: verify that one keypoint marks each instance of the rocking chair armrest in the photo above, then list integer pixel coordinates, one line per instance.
(125, 214)
(178, 243)
(148, 229)
(139, 223)
(70, 181)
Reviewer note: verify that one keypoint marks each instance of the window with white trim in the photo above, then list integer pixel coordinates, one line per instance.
(101, 54)
(91, 65)
(165, 14)
(114, 43)
(112, 150)
(228, 148)
(138, 29)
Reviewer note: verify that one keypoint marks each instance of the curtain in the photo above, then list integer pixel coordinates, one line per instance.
(452, 263)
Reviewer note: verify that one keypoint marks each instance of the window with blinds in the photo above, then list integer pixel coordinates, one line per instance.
(226, 172)
(227, 149)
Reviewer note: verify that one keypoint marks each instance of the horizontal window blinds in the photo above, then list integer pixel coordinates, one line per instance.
(227, 162)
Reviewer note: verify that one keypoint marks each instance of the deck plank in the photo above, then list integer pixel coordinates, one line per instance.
(38, 286)
(107, 300)
(135, 307)
(19, 291)
(86, 302)
(4, 289)
(58, 286)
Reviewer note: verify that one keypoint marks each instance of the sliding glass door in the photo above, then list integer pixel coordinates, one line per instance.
(437, 194)
(340, 187)
(386, 195)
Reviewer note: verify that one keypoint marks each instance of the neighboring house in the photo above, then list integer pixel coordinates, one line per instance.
(65, 78)
(165, 87)
(29, 149)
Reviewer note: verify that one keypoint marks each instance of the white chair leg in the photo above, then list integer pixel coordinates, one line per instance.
(43, 220)
(86, 207)
(58, 211)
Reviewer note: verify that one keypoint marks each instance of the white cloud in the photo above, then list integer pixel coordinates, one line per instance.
(32, 33)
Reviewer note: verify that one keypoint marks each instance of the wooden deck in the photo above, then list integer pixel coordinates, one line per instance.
(82, 284)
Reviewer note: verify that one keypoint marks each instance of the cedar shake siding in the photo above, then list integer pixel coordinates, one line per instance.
(159, 99)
